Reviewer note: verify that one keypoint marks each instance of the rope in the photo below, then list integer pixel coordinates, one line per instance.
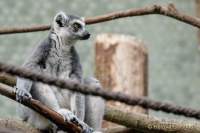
(98, 91)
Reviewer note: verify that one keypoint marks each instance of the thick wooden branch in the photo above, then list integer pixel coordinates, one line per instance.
(41, 109)
(138, 122)
(145, 123)
(169, 11)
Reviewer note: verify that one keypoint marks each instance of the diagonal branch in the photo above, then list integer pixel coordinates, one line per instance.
(138, 122)
(41, 109)
(169, 11)
(97, 91)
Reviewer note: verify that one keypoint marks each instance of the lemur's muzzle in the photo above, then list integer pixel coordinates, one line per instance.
(85, 36)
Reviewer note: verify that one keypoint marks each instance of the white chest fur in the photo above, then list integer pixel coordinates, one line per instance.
(58, 62)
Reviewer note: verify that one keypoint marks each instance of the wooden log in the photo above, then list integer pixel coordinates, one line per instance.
(122, 64)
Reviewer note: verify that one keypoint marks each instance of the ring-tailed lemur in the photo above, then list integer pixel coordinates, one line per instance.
(57, 56)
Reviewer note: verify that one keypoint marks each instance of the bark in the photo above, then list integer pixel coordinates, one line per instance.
(121, 64)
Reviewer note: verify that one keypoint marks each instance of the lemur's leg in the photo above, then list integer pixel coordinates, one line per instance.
(68, 97)
(94, 107)
(94, 112)
(46, 96)
(77, 100)
(78, 105)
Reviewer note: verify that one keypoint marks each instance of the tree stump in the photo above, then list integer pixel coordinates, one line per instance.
(122, 65)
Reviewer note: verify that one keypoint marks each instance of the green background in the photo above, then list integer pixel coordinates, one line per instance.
(174, 56)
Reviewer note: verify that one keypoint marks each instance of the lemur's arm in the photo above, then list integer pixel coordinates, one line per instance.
(36, 62)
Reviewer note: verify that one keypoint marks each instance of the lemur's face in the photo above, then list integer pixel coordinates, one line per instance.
(70, 27)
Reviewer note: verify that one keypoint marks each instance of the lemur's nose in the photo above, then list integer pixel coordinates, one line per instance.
(86, 35)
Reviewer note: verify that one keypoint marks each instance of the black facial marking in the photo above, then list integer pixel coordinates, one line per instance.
(76, 27)
(60, 20)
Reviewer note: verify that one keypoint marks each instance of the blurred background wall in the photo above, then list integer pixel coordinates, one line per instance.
(174, 72)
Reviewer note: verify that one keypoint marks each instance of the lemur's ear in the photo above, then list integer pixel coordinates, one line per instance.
(61, 19)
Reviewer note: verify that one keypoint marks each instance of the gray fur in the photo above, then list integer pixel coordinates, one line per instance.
(57, 56)
(94, 107)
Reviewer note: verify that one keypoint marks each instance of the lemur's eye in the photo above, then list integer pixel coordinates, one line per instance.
(76, 27)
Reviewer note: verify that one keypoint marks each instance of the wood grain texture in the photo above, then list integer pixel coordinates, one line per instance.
(121, 64)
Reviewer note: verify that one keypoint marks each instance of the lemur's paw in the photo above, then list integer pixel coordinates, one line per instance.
(22, 95)
(87, 129)
(67, 115)
(70, 117)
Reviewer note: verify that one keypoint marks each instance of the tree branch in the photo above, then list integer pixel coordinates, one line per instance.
(41, 109)
(98, 91)
(137, 122)
(169, 11)
(145, 123)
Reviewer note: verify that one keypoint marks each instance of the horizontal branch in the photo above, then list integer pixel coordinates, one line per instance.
(169, 11)
(41, 109)
(98, 91)
(13, 30)
(134, 121)
(149, 124)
